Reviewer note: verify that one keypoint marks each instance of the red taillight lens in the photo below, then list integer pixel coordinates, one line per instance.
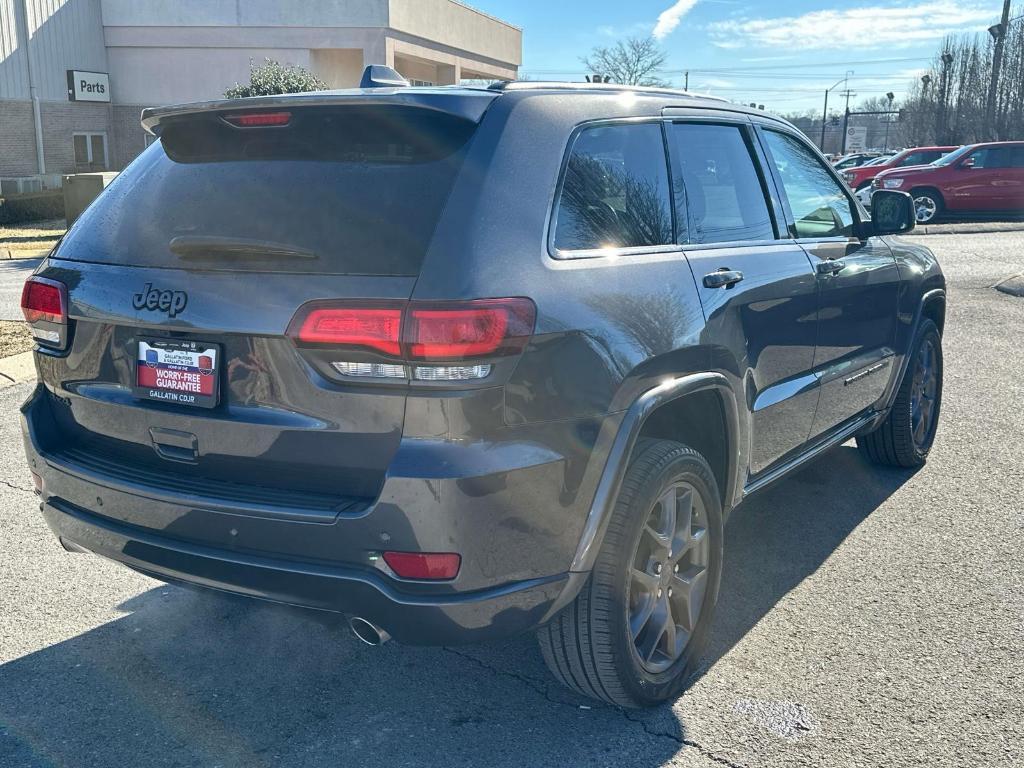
(43, 300)
(260, 119)
(373, 328)
(424, 565)
(421, 331)
(470, 329)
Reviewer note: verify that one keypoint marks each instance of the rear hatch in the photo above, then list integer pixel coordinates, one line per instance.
(183, 278)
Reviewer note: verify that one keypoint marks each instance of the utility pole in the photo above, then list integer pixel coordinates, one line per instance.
(846, 118)
(686, 87)
(998, 32)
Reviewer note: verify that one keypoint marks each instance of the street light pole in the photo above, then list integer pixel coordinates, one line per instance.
(998, 32)
(846, 119)
(888, 118)
(941, 129)
(824, 114)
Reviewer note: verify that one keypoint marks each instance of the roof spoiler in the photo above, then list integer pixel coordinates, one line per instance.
(466, 104)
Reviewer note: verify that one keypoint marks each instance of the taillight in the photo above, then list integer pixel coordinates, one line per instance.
(482, 328)
(260, 119)
(44, 303)
(434, 566)
(368, 327)
(416, 332)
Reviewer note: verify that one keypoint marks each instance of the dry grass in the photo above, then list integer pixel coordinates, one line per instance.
(34, 236)
(14, 338)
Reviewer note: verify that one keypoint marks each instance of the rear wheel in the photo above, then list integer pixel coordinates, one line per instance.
(927, 205)
(905, 437)
(635, 633)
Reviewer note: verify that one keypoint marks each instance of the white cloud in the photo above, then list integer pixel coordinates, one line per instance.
(715, 82)
(865, 27)
(669, 19)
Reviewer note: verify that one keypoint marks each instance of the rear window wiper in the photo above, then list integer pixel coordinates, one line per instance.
(200, 247)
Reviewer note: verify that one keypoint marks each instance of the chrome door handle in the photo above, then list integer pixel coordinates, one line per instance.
(831, 267)
(723, 278)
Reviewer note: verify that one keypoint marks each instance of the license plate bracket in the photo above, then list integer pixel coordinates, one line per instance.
(178, 372)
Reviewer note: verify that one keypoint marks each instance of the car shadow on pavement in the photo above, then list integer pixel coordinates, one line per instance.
(192, 678)
(784, 534)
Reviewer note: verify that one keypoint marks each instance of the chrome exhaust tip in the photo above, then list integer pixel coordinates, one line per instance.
(367, 631)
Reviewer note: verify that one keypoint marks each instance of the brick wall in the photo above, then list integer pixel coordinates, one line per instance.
(61, 120)
(128, 137)
(17, 139)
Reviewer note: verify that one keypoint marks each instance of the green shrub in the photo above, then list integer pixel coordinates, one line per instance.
(32, 207)
(273, 78)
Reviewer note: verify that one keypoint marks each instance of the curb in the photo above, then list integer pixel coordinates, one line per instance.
(6, 254)
(966, 229)
(1012, 285)
(16, 369)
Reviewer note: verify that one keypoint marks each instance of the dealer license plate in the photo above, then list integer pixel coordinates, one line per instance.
(179, 372)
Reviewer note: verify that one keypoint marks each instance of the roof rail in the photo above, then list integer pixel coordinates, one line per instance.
(526, 85)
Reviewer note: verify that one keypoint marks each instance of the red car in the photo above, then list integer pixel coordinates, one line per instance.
(976, 178)
(862, 175)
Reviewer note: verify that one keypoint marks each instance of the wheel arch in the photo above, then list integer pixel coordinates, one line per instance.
(681, 403)
(933, 307)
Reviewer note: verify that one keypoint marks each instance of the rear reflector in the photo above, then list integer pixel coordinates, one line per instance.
(260, 119)
(424, 565)
(421, 331)
(45, 306)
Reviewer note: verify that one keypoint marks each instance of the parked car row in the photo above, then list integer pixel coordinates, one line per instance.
(975, 178)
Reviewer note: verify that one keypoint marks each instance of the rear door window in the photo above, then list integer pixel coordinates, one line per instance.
(349, 190)
(718, 189)
(615, 190)
(819, 206)
(920, 158)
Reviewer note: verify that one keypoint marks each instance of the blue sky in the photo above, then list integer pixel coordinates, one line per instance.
(782, 55)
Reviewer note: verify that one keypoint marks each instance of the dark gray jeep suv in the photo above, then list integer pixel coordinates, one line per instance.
(463, 363)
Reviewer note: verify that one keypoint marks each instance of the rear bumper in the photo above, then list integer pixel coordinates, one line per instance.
(413, 619)
(508, 514)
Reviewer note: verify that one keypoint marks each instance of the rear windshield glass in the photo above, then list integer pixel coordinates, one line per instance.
(355, 190)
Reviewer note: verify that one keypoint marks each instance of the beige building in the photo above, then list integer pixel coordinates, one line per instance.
(74, 74)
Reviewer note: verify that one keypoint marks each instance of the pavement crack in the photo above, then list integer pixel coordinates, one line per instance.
(529, 682)
(14, 487)
(681, 740)
(544, 691)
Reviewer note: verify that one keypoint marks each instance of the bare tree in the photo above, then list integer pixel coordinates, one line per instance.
(634, 61)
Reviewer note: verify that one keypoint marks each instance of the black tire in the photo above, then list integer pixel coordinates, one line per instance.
(589, 646)
(930, 199)
(894, 443)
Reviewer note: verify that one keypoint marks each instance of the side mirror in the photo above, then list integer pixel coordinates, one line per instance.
(892, 212)
(967, 162)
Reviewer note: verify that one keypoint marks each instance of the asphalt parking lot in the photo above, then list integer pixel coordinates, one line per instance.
(868, 618)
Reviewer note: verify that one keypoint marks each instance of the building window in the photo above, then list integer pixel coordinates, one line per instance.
(90, 151)
(422, 83)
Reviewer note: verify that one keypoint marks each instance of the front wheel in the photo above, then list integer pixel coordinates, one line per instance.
(905, 437)
(927, 205)
(634, 634)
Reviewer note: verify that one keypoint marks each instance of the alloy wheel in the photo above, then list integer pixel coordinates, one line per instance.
(923, 393)
(668, 577)
(925, 208)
